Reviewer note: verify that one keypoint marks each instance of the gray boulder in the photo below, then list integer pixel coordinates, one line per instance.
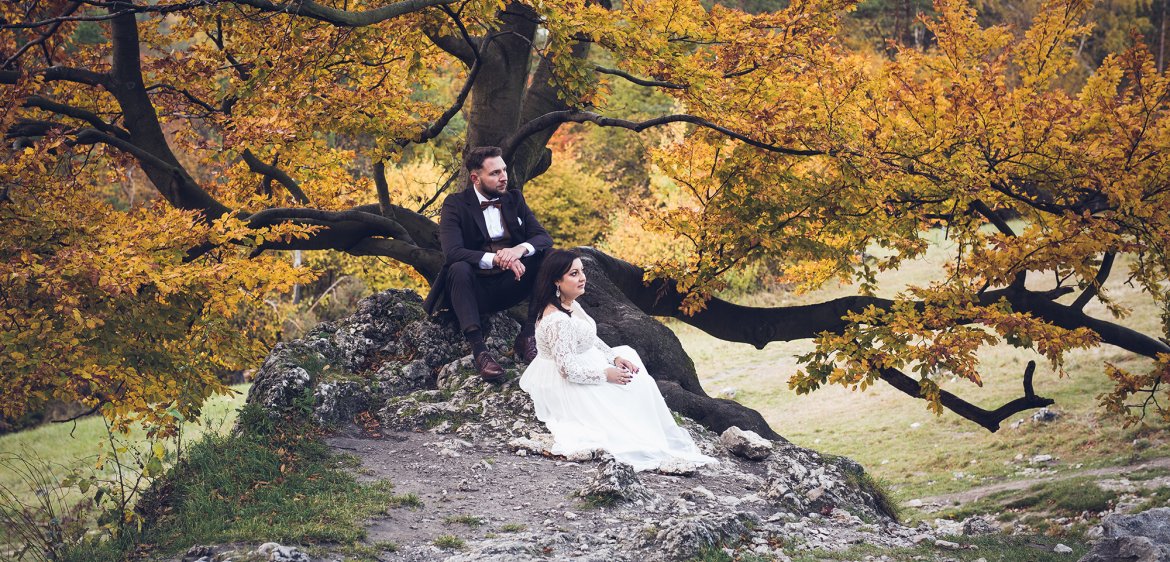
(746, 444)
(1141, 537)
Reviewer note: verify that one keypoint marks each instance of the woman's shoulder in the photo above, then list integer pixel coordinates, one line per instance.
(552, 315)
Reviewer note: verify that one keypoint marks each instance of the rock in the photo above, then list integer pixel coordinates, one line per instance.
(947, 544)
(980, 525)
(1045, 415)
(1141, 537)
(416, 377)
(746, 444)
(274, 552)
(614, 481)
(1040, 459)
(682, 539)
(1061, 548)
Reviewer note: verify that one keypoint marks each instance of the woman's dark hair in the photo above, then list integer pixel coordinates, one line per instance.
(555, 265)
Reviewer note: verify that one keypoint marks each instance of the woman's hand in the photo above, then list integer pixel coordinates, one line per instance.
(626, 364)
(618, 376)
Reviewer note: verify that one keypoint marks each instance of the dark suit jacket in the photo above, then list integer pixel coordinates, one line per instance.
(463, 233)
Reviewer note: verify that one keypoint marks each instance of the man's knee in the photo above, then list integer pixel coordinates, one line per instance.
(459, 270)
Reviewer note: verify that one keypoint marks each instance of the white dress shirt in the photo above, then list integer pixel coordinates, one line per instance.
(494, 219)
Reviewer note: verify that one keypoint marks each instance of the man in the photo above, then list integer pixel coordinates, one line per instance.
(493, 246)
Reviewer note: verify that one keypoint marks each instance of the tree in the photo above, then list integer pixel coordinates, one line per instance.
(270, 125)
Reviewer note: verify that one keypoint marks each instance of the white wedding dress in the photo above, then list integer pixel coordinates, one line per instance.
(585, 413)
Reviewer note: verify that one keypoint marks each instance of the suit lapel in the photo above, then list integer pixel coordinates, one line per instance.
(472, 202)
(508, 209)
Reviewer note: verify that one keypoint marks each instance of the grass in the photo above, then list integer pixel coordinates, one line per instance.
(283, 485)
(469, 520)
(406, 500)
(913, 451)
(513, 528)
(1069, 497)
(68, 446)
(995, 548)
(245, 487)
(450, 542)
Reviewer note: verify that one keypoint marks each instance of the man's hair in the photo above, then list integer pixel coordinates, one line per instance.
(476, 156)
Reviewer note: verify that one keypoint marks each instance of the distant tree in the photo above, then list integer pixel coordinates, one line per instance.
(268, 126)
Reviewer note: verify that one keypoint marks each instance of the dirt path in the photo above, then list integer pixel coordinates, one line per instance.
(977, 493)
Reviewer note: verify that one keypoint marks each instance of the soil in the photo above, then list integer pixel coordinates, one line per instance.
(507, 489)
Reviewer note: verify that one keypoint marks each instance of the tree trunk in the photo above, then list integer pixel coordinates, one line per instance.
(621, 322)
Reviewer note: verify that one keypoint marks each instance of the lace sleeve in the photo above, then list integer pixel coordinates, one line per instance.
(605, 348)
(570, 364)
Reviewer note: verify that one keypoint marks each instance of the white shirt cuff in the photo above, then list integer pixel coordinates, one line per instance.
(529, 247)
(486, 262)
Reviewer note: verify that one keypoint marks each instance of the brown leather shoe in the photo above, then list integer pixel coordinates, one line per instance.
(489, 370)
(525, 348)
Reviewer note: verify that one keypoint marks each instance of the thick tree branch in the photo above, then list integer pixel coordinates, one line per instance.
(344, 18)
(77, 113)
(574, 116)
(271, 171)
(126, 84)
(988, 419)
(427, 262)
(58, 73)
(382, 188)
(760, 326)
(377, 224)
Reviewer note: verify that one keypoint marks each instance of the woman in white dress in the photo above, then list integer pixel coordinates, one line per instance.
(592, 396)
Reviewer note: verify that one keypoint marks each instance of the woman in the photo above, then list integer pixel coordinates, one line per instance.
(592, 396)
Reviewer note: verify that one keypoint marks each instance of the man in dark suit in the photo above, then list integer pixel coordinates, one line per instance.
(493, 246)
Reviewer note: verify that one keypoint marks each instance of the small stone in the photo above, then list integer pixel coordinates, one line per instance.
(947, 544)
(1044, 415)
(915, 425)
(1040, 459)
(1062, 549)
(571, 516)
(914, 503)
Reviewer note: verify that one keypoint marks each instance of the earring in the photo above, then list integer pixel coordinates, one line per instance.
(558, 292)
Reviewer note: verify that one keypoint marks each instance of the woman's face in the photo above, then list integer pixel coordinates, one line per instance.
(572, 283)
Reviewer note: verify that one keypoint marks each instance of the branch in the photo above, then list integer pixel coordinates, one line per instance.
(574, 116)
(271, 171)
(76, 113)
(988, 419)
(382, 226)
(44, 36)
(382, 187)
(1095, 286)
(639, 81)
(343, 18)
(759, 326)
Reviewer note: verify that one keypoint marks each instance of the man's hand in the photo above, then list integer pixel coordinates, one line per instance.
(517, 269)
(508, 256)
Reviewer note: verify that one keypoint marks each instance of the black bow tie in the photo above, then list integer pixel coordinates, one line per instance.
(491, 203)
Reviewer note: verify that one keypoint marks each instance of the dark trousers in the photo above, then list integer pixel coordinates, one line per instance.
(472, 294)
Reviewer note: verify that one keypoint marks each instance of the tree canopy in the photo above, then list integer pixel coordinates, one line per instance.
(162, 154)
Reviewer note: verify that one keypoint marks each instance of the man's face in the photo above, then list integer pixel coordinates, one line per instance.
(492, 179)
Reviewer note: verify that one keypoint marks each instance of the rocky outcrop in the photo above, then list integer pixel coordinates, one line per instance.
(464, 446)
(1141, 537)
